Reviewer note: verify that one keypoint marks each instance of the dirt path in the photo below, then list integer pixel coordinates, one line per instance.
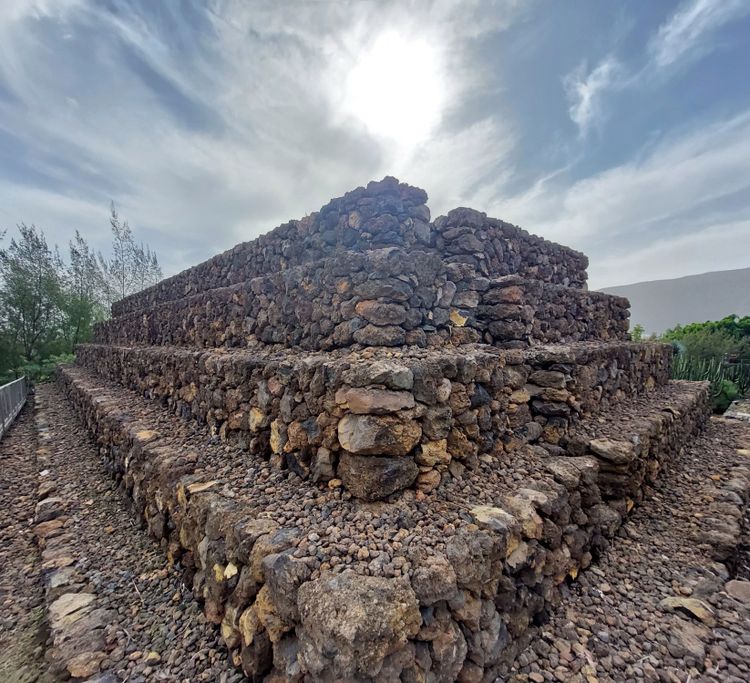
(22, 633)
(159, 632)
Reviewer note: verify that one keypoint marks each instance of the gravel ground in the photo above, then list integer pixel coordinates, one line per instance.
(160, 633)
(611, 627)
(22, 632)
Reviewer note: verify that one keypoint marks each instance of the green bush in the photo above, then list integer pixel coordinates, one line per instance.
(41, 371)
(726, 393)
(717, 351)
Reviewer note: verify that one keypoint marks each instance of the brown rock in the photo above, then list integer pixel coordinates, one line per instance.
(85, 664)
(371, 435)
(374, 401)
(690, 606)
(739, 590)
(350, 623)
(548, 378)
(374, 335)
(433, 453)
(616, 452)
(434, 580)
(380, 313)
(374, 478)
(428, 481)
(69, 607)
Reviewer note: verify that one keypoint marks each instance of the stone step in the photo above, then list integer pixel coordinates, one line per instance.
(634, 440)
(383, 297)
(292, 569)
(402, 416)
(385, 214)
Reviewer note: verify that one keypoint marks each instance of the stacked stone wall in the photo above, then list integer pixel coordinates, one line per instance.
(385, 214)
(456, 371)
(457, 612)
(383, 297)
(496, 248)
(382, 422)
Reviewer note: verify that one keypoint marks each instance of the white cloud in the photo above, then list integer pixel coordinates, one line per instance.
(674, 194)
(685, 35)
(265, 80)
(585, 92)
(689, 28)
(465, 168)
(722, 246)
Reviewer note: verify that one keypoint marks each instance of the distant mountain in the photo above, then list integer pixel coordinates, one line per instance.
(661, 304)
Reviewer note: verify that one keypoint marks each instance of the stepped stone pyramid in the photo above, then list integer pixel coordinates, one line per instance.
(377, 444)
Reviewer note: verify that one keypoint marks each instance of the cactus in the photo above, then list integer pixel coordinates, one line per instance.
(728, 380)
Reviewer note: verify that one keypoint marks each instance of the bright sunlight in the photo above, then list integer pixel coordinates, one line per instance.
(396, 89)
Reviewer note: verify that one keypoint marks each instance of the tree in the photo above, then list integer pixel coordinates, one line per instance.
(146, 268)
(83, 289)
(637, 333)
(118, 269)
(31, 290)
(47, 307)
(131, 268)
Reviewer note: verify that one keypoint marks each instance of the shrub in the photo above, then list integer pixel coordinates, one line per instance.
(40, 371)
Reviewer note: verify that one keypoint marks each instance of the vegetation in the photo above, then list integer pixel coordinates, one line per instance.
(717, 351)
(48, 305)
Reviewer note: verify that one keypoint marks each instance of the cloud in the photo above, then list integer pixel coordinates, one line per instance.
(723, 246)
(685, 35)
(687, 31)
(585, 91)
(462, 168)
(678, 191)
(213, 123)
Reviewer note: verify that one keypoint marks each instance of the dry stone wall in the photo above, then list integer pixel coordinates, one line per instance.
(384, 297)
(455, 611)
(380, 445)
(378, 421)
(384, 214)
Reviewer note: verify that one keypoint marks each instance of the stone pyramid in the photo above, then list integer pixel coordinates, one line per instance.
(378, 444)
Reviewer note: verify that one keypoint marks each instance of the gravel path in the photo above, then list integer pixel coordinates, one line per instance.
(611, 627)
(160, 633)
(22, 632)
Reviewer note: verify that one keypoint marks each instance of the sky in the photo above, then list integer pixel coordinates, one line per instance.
(618, 128)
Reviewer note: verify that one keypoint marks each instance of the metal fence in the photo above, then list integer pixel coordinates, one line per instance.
(12, 398)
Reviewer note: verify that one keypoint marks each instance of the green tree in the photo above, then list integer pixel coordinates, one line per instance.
(131, 267)
(82, 293)
(31, 292)
(637, 333)
(47, 307)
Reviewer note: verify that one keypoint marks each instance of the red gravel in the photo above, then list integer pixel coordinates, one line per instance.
(22, 632)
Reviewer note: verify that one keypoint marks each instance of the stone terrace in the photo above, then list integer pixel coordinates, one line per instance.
(380, 445)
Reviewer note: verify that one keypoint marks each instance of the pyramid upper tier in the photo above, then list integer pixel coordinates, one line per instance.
(370, 269)
(385, 213)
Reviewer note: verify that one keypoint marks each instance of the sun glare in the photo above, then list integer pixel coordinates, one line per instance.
(395, 88)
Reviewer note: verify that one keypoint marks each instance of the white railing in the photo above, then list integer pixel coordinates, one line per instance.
(12, 398)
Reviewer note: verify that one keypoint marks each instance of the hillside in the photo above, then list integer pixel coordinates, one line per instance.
(661, 304)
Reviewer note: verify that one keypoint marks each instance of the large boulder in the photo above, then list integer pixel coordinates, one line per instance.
(378, 435)
(365, 400)
(351, 623)
(373, 478)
